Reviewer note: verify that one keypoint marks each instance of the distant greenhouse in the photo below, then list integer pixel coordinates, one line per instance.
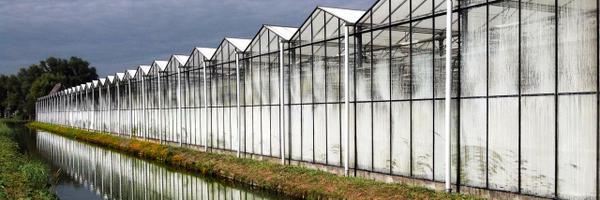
(362, 93)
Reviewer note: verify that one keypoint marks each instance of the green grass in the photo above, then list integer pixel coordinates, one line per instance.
(21, 177)
(293, 181)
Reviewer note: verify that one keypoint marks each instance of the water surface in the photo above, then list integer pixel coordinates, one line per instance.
(89, 172)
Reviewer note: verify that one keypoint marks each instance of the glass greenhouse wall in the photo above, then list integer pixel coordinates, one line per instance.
(524, 94)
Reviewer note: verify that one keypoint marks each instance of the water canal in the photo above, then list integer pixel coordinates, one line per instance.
(85, 171)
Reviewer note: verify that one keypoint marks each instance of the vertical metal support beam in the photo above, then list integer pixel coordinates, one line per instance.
(346, 121)
(118, 108)
(178, 128)
(159, 114)
(100, 105)
(447, 95)
(281, 118)
(129, 121)
(205, 106)
(109, 108)
(237, 114)
(144, 132)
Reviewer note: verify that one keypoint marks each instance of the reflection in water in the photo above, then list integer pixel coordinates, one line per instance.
(113, 175)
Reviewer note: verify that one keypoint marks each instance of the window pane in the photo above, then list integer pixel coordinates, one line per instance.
(577, 48)
(503, 50)
(537, 48)
(473, 52)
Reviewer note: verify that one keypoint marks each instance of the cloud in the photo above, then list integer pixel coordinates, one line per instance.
(116, 34)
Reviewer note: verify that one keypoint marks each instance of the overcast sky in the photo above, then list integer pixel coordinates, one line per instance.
(114, 35)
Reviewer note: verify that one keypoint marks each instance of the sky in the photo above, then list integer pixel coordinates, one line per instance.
(114, 35)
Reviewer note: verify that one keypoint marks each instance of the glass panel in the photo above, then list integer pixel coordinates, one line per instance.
(400, 66)
(422, 59)
(422, 132)
(265, 130)
(333, 29)
(363, 70)
(364, 136)
(264, 42)
(537, 140)
(306, 73)
(334, 62)
(318, 26)
(577, 154)
(473, 142)
(577, 46)
(249, 130)
(381, 65)
(400, 10)
(294, 78)
(264, 80)
(380, 14)
(473, 52)
(401, 138)
(334, 148)
(319, 80)
(503, 50)
(275, 142)
(296, 132)
(504, 144)
(274, 78)
(320, 133)
(537, 48)
(381, 137)
(257, 130)
(307, 133)
(421, 8)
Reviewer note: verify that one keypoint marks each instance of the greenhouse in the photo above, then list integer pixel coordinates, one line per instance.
(363, 92)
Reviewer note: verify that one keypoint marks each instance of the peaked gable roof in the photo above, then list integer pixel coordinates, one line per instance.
(239, 43)
(348, 15)
(145, 69)
(131, 73)
(120, 76)
(181, 59)
(161, 64)
(284, 32)
(111, 79)
(206, 52)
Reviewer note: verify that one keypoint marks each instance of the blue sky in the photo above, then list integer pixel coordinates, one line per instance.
(118, 34)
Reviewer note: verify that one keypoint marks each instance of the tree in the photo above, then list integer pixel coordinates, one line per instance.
(39, 88)
(18, 93)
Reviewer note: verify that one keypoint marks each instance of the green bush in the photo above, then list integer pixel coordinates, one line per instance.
(21, 177)
(35, 174)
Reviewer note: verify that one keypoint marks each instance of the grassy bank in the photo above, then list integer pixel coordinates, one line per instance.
(21, 177)
(294, 181)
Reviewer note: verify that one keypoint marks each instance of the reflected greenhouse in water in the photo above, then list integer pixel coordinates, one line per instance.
(112, 175)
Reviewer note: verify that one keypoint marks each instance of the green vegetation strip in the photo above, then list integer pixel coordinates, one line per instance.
(21, 177)
(294, 181)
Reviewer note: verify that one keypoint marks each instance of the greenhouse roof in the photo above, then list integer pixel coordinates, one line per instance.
(181, 58)
(284, 32)
(131, 73)
(206, 52)
(239, 43)
(348, 15)
(120, 76)
(145, 69)
(111, 79)
(161, 64)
